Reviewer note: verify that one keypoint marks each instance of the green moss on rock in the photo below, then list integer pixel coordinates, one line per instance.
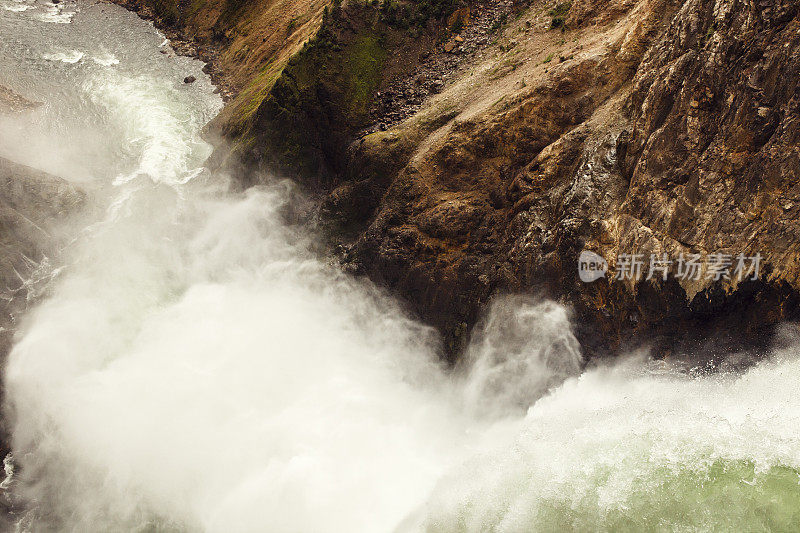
(361, 72)
(321, 98)
(167, 10)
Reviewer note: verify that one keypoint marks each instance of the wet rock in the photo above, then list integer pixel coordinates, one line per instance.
(678, 136)
(675, 168)
(31, 204)
(11, 102)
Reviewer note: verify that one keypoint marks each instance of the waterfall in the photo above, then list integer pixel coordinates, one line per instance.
(195, 365)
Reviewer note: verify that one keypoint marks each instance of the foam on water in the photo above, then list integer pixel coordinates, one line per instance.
(629, 448)
(16, 6)
(167, 139)
(106, 59)
(64, 56)
(195, 334)
(56, 14)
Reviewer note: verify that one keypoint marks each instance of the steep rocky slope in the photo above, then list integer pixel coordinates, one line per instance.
(671, 129)
(620, 127)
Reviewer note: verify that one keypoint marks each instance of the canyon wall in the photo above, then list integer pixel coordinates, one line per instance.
(464, 149)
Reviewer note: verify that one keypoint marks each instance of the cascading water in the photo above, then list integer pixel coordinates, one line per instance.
(195, 367)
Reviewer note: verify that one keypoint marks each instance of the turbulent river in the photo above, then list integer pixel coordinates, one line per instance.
(194, 366)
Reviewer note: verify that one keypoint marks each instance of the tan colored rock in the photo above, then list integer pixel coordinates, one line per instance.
(670, 127)
(630, 151)
(11, 102)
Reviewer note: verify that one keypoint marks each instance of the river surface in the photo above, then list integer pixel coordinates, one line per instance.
(194, 366)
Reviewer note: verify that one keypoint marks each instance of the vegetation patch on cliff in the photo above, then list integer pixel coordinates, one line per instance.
(324, 94)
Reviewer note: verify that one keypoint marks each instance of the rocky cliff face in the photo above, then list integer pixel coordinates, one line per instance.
(652, 127)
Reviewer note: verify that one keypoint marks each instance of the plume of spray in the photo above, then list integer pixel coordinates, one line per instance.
(212, 372)
(523, 348)
(196, 367)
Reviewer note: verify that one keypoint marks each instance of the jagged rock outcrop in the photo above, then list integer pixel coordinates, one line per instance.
(630, 126)
(676, 134)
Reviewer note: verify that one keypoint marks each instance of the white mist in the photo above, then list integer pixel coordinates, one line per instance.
(195, 367)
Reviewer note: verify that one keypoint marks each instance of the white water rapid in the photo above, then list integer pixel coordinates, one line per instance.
(194, 366)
